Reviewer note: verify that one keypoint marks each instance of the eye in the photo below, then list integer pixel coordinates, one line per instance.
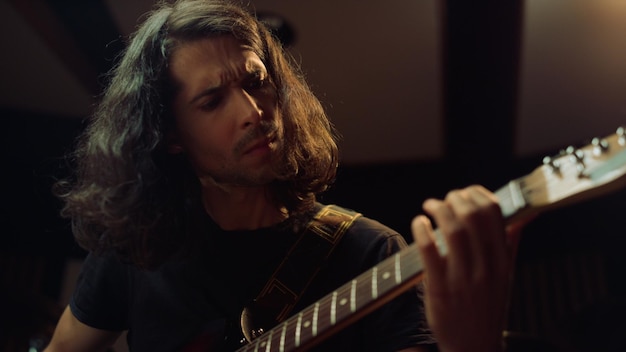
(256, 81)
(211, 104)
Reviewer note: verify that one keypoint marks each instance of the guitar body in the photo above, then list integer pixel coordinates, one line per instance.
(256, 319)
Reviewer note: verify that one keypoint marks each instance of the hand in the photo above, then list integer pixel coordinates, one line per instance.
(466, 290)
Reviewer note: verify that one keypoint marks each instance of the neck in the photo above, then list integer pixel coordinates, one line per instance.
(235, 207)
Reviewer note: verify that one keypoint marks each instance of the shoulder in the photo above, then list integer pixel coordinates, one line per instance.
(373, 237)
(367, 241)
(368, 227)
(364, 228)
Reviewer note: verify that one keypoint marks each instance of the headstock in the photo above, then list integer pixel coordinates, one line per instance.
(576, 173)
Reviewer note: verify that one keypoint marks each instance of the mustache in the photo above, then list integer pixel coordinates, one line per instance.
(265, 129)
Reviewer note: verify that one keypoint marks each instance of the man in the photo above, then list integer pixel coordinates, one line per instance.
(197, 176)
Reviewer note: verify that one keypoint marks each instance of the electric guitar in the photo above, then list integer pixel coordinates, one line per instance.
(574, 175)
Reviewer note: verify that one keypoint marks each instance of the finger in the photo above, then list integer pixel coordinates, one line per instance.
(434, 264)
(487, 227)
(453, 231)
(466, 210)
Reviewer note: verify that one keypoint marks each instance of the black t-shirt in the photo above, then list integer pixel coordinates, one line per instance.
(167, 308)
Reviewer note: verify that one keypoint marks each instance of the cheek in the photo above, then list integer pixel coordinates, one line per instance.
(197, 133)
(199, 141)
(204, 154)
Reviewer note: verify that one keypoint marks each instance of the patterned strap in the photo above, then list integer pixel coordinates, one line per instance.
(284, 289)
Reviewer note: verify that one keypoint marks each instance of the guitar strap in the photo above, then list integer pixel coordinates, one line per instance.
(297, 270)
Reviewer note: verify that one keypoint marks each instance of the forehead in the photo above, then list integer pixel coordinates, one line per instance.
(217, 60)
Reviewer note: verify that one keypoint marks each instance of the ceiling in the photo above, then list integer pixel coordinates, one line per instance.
(380, 69)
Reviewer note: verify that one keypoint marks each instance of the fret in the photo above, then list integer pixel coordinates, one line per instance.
(345, 302)
(328, 312)
(397, 268)
(511, 198)
(333, 309)
(258, 344)
(375, 282)
(268, 344)
(387, 281)
(353, 296)
(299, 329)
(283, 334)
(315, 316)
(305, 325)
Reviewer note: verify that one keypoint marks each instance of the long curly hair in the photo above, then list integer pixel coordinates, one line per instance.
(131, 196)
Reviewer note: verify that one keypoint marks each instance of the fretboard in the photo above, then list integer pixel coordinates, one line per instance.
(350, 302)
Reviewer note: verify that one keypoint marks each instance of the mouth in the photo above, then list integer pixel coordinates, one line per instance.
(262, 145)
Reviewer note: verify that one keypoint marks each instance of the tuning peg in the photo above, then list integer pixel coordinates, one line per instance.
(600, 146)
(577, 156)
(621, 134)
(552, 163)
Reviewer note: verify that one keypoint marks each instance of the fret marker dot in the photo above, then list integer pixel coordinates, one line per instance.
(343, 301)
(386, 275)
(307, 323)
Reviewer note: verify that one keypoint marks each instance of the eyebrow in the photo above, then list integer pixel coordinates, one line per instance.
(255, 69)
(204, 93)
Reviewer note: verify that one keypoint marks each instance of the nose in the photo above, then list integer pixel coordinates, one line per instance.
(247, 109)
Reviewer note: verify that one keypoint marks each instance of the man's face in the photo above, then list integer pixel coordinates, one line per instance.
(225, 112)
